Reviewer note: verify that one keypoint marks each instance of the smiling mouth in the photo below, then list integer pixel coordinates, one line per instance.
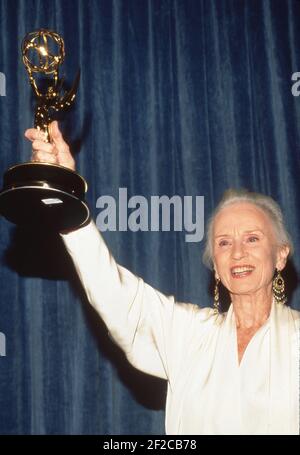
(241, 271)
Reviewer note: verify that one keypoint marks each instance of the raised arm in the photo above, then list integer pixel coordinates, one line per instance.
(152, 329)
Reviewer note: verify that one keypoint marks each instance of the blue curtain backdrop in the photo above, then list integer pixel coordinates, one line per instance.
(177, 97)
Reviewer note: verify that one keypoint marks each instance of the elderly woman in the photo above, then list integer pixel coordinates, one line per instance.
(231, 373)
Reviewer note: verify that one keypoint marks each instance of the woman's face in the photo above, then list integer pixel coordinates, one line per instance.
(245, 249)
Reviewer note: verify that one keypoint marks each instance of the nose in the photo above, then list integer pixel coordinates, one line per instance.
(238, 250)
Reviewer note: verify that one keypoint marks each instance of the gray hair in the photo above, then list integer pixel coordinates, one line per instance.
(265, 203)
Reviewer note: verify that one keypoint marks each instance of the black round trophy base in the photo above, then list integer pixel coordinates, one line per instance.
(43, 195)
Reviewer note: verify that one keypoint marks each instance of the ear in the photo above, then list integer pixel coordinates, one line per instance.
(282, 255)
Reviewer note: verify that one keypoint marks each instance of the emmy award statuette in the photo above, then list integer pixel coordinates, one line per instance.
(40, 193)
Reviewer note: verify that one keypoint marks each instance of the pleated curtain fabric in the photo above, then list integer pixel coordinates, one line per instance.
(177, 97)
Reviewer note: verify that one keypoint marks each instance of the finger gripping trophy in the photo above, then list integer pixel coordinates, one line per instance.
(39, 193)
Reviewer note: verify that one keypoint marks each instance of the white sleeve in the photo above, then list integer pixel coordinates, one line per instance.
(149, 326)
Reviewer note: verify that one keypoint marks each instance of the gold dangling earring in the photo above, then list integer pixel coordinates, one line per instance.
(217, 297)
(279, 288)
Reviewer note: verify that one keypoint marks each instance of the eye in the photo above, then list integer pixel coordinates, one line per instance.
(252, 239)
(223, 242)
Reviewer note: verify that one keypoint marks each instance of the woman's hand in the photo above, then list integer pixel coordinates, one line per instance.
(55, 152)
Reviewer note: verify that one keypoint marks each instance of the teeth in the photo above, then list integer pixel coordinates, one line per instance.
(241, 269)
